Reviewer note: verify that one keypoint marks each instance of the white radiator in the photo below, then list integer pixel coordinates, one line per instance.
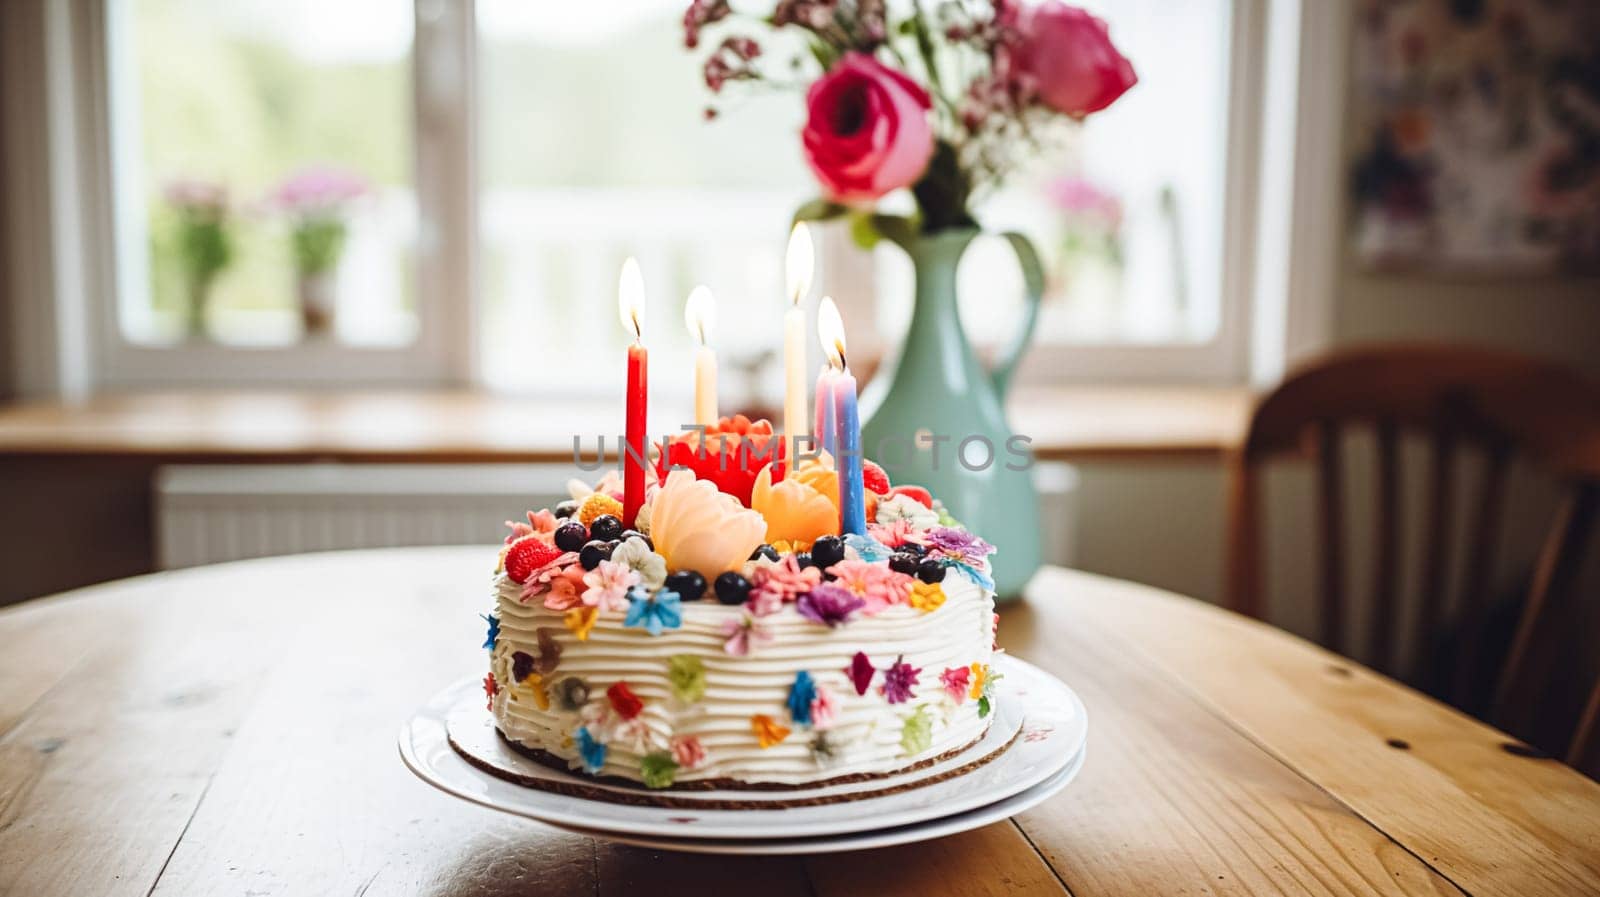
(207, 514)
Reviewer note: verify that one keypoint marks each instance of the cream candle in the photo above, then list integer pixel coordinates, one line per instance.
(700, 314)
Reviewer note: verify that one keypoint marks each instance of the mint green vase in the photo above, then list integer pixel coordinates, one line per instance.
(935, 400)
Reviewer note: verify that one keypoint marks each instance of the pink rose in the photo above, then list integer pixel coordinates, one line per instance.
(867, 130)
(1068, 57)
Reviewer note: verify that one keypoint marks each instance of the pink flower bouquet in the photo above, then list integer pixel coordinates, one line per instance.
(933, 100)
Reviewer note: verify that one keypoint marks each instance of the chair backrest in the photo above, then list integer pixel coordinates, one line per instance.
(1461, 400)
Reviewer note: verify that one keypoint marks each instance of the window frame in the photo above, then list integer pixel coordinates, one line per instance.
(443, 93)
(88, 352)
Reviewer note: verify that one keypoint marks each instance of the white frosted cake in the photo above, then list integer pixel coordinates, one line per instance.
(726, 642)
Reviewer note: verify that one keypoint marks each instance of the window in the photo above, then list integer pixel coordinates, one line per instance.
(1126, 213)
(593, 148)
(503, 157)
(266, 156)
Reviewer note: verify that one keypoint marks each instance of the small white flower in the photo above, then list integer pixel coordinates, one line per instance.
(637, 556)
(903, 507)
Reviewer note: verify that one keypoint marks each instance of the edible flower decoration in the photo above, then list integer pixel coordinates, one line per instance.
(743, 635)
(598, 504)
(927, 596)
(961, 550)
(609, 584)
(592, 751)
(524, 664)
(533, 687)
(768, 731)
(773, 585)
(658, 769)
(824, 708)
(580, 621)
(687, 676)
(896, 534)
(956, 681)
(875, 584)
(695, 527)
(800, 507)
(729, 454)
(801, 694)
(490, 689)
(566, 588)
(865, 548)
(984, 689)
(823, 750)
(494, 630)
(636, 555)
(917, 734)
(687, 750)
(624, 701)
(898, 681)
(828, 604)
(861, 672)
(540, 523)
(654, 613)
(571, 693)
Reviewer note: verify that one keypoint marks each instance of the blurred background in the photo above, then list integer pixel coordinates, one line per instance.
(289, 276)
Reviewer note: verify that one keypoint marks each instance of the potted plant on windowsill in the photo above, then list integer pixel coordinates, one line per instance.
(317, 201)
(204, 243)
(946, 104)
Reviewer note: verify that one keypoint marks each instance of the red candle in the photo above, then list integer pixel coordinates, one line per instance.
(630, 303)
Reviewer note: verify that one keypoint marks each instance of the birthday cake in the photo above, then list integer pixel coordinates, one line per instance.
(737, 634)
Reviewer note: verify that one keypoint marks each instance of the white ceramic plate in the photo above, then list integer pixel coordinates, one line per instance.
(1052, 719)
(905, 834)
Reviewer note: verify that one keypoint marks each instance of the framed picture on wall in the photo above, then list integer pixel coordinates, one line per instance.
(1478, 124)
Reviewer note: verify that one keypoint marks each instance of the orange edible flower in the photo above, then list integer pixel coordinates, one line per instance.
(580, 620)
(979, 673)
(768, 731)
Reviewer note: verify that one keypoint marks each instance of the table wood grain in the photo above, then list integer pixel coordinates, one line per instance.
(1065, 423)
(231, 730)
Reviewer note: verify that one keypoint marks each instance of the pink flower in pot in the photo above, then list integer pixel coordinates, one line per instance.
(1065, 54)
(867, 130)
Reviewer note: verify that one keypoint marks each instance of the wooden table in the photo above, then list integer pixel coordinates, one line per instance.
(231, 730)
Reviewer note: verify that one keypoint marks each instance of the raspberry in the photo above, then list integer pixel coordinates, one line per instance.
(874, 478)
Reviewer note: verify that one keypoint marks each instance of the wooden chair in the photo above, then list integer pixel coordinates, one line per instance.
(1461, 400)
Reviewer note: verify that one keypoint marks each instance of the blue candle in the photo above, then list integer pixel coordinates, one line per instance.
(839, 421)
(852, 497)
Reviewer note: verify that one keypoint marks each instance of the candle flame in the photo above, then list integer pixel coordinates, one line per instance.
(830, 332)
(799, 262)
(630, 297)
(700, 314)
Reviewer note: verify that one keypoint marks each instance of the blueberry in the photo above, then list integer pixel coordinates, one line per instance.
(912, 549)
(605, 527)
(805, 559)
(635, 534)
(571, 535)
(566, 508)
(765, 551)
(930, 570)
(827, 550)
(904, 562)
(732, 588)
(689, 584)
(593, 553)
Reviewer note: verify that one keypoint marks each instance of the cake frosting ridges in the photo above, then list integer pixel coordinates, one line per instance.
(866, 737)
(734, 636)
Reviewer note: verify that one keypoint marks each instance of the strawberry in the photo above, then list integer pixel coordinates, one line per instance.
(526, 555)
(874, 477)
(916, 493)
